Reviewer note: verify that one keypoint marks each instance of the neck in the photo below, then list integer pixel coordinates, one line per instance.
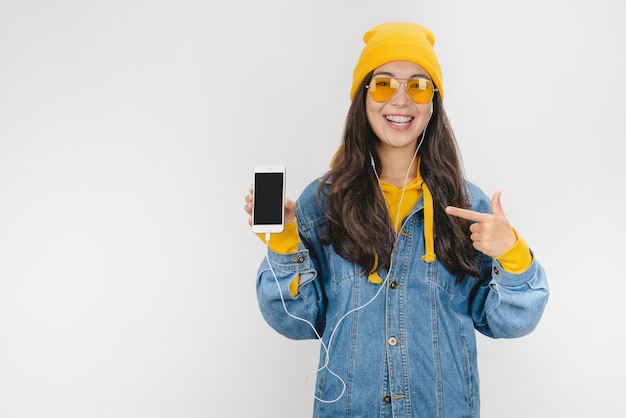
(399, 168)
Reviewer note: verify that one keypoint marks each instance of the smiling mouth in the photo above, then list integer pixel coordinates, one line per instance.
(399, 120)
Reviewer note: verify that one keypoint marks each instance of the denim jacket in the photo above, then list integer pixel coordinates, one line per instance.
(403, 348)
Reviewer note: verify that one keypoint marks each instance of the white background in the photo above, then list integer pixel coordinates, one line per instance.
(128, 133)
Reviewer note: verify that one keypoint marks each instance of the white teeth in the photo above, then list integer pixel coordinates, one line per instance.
(399, 119)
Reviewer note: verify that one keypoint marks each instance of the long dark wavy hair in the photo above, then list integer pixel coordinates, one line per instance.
(360, 227)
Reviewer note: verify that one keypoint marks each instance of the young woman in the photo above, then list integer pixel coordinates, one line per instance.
(393, 259)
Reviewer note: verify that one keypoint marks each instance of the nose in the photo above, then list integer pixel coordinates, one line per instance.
(401, 97)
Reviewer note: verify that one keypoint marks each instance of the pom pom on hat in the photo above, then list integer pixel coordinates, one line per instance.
(397, 41)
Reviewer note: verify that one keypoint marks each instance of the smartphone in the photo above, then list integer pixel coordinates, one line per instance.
(268, 211)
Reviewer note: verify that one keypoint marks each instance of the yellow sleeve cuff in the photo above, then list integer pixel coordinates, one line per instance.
(286, 242)
(518, 258)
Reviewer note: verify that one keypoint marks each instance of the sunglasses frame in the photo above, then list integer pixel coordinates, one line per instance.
(372, 87)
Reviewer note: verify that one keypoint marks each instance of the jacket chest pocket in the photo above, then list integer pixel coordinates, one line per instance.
(440, 276)
(342, 272)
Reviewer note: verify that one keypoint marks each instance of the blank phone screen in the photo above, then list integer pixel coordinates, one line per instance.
(268, 198)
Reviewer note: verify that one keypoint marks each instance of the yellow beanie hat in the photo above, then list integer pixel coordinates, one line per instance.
(397, 41)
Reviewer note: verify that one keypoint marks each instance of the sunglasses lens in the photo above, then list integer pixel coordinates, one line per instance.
(382, 89)
(420, 90)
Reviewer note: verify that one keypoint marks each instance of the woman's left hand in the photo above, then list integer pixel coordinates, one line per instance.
(491, 233)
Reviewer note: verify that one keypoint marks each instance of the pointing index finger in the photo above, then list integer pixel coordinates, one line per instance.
(470, 215)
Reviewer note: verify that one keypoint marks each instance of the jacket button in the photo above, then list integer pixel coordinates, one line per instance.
(299, 259)
(393, 284)
(387, 399)
(392, 341)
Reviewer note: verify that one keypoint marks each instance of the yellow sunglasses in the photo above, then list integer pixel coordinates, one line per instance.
(420, 90)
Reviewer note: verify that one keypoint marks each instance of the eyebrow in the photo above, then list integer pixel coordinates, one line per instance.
(417, 75)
